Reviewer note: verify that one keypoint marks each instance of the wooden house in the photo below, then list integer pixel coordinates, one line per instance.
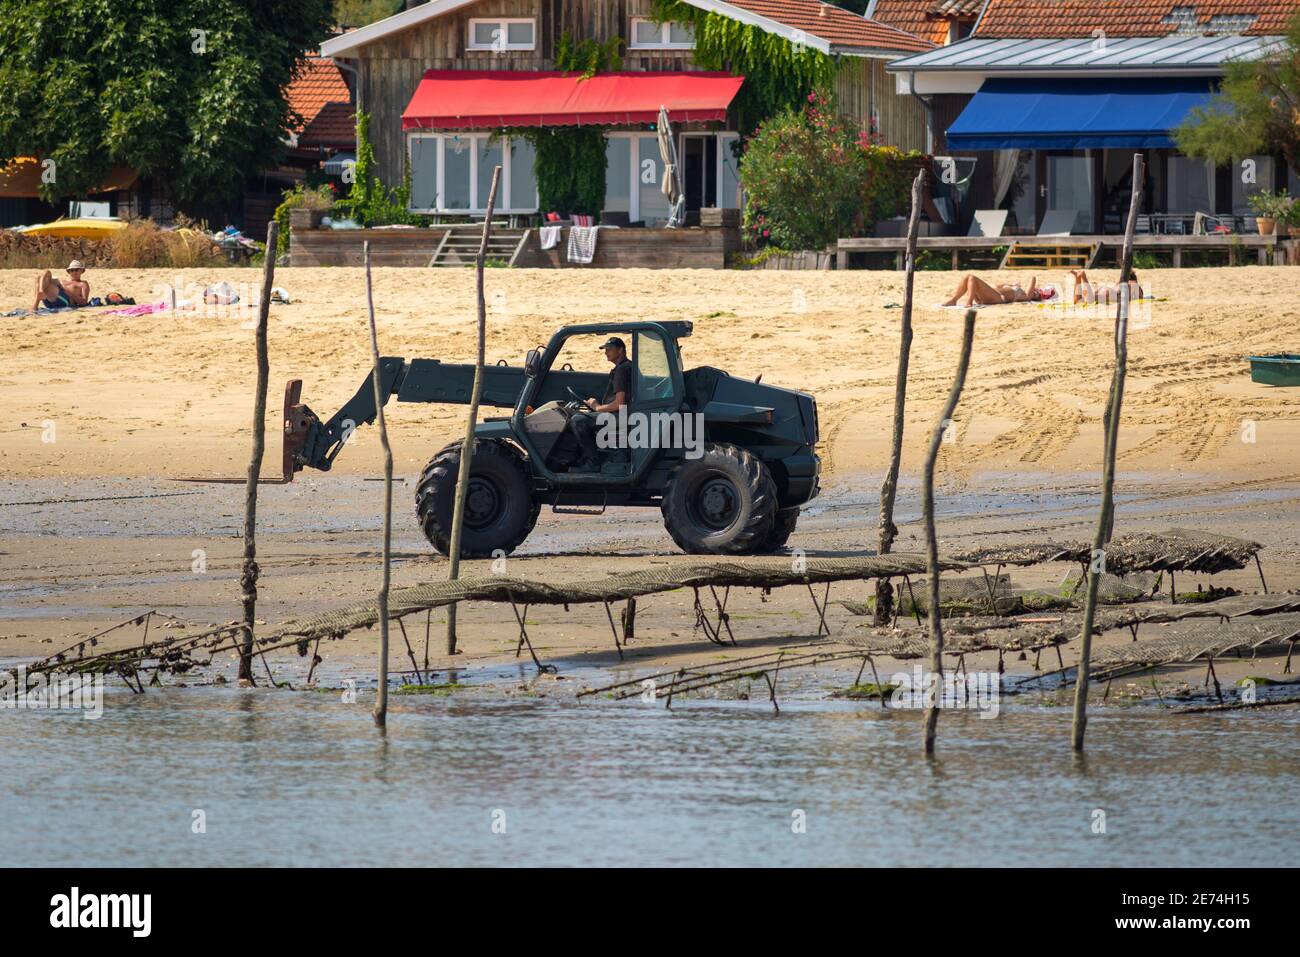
(442, 79)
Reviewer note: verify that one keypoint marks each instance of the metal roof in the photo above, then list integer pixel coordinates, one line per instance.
(1087, 54)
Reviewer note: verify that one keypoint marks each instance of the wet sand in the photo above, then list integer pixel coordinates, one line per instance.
(68, 571)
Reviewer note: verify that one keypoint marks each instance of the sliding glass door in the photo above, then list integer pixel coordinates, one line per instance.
(634, 174)
(1069, 187)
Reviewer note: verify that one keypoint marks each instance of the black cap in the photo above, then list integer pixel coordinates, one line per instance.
(615, 341)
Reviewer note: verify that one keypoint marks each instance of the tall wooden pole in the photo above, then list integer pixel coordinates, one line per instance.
(248, 577)
(889, 489)
(931, 539)
(1106, 520)
(381, 697)
(467, 447)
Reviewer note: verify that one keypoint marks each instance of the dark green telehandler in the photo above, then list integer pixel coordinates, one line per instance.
(727, 460)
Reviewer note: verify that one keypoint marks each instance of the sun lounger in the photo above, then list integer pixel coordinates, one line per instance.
(1058, 222)
(988, 223)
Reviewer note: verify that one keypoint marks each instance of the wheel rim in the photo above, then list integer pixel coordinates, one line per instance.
(483, 503)
(715, 504)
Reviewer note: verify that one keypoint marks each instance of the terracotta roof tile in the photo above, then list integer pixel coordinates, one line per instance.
(1133, 18)
(925, 18)
(835, 25)
(319, 88)
(335, 126)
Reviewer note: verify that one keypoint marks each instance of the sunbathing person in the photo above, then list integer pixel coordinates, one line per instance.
(1086, 292)
(975, 291)
(53, 294)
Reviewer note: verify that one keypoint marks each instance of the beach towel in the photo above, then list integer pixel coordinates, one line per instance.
(1089, 305)
(549, 236)
(582, 243)
(144, 310)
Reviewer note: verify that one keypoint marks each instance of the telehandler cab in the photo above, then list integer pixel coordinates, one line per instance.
(728, 461)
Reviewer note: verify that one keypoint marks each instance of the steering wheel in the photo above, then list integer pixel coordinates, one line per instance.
(579, 399)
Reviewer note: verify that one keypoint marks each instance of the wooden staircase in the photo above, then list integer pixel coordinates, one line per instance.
(459, 245)
(1048, 254)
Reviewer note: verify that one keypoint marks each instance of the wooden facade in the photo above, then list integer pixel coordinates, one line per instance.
(390, 68)
(697, 248)
(867, 94)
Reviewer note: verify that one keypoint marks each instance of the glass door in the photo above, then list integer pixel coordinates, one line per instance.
(699, 161)
(1069, 187)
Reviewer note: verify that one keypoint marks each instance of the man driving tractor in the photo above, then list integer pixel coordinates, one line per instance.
(617, 391)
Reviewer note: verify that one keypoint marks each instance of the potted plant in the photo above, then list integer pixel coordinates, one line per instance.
(1292, 217)
(1271, 209)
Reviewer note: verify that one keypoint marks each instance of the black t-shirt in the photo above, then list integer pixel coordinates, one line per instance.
(620, 380)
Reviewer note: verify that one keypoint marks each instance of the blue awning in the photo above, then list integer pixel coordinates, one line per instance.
(1060, 114)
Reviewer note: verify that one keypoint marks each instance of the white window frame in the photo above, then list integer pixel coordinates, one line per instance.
(723, 136)
(477, 204)
(664, 33)
(504, 24)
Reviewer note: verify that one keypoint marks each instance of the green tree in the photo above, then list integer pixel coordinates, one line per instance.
(359, 13)
(812, 176)
(1257, 109)
(188, 93)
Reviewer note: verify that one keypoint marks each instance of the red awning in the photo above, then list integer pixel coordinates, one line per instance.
(490, 99)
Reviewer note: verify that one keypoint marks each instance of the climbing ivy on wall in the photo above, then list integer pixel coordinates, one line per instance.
(778, 74)
(588, 56)
(570, 168)
(369, 201)
(570, 161)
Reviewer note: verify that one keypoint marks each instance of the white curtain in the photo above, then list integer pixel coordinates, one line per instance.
(1004, 172)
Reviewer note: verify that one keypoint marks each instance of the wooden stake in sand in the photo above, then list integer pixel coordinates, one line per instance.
(467, 447)
(381, 698)
(1106, 520)
(889, 489)
(248, 577)
(931, 539)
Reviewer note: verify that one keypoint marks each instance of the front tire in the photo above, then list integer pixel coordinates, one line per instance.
(723, 503)
(500, 508)
(782, 528)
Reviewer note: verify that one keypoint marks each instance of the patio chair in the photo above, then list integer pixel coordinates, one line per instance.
(988, 223)
(1058, 222)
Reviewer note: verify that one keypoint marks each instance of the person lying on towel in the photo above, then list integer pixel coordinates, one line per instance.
(1086, 292)
(974, 291)
(55, 294)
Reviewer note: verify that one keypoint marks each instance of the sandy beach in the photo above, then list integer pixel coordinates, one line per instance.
(170, 395)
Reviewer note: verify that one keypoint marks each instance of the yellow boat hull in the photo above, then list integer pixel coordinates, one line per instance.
(78, 228)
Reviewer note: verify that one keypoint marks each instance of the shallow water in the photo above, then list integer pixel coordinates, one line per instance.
(304, 778)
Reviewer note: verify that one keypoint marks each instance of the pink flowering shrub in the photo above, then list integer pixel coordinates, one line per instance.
(812, 176)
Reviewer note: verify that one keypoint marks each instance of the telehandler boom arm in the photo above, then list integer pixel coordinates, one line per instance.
(310, 442)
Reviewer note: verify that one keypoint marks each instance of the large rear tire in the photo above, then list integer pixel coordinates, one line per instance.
(500, 508)
(782, 527)
(723, 503)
